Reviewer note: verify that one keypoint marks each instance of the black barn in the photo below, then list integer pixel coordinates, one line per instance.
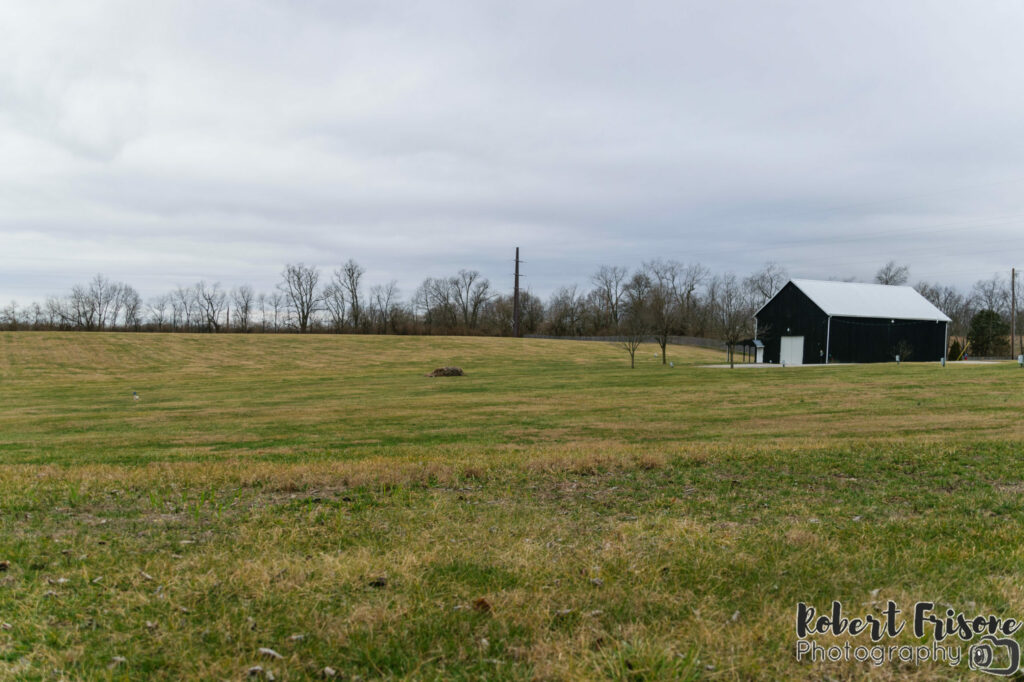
(811, 322)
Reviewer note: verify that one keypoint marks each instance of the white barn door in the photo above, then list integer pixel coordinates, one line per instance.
(792, 352)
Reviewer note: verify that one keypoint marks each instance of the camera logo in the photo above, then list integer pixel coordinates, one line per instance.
(980, 656)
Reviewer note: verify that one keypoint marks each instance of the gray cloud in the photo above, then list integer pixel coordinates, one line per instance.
(161, 143)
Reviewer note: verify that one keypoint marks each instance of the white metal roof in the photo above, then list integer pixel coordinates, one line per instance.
(853, 299)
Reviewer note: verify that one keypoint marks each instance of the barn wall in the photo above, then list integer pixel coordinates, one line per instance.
(856, 339)
(791, 309)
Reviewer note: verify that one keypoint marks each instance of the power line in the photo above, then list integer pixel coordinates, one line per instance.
(861, 236)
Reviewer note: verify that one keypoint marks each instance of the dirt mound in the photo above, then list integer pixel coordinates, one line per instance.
(447, 372)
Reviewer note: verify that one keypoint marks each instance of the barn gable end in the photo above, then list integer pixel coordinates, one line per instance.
(791, 313)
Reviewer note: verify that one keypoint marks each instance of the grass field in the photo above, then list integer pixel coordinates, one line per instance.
(551, 515)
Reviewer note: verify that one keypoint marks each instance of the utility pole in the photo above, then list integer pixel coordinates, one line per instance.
(1013, 311)
(516, 331)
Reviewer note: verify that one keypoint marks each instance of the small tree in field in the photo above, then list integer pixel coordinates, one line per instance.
(630, 342)
(634, 327)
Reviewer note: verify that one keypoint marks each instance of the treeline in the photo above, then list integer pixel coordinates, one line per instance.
(661, 298)
(305, 300)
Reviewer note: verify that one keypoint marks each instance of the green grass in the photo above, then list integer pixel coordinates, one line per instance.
(551, 515)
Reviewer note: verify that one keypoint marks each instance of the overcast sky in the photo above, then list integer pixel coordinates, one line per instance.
(165, 142)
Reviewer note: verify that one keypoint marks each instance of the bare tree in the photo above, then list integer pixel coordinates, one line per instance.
(38, 316)
(893, 274)
(95, 306)
(471, 292)
(609, 282)
(49, 319)
(244, 298)
(766, 282)
(335, 303)
(278, 302)
(131, 303)
(992, 294)
(83, 310)
(56, 313)
(692, 278)
(102, 294)
(731, 311)
(351, 276)
(630, 341)
(634, 325)
(261, 301)
(950, 301)
(664, 301)
(384, 299)
(435, 300)
(637, 291)
(565, 312)
(299, 285)
(79, 310)
(594, 316)
(158, 310)
(531, 312)
(499, 313)
(183, 306)
(9, 316)
(932, 292)
(211, 300)
(118, 292)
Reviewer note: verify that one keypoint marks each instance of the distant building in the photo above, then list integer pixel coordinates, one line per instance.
(812, 322)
